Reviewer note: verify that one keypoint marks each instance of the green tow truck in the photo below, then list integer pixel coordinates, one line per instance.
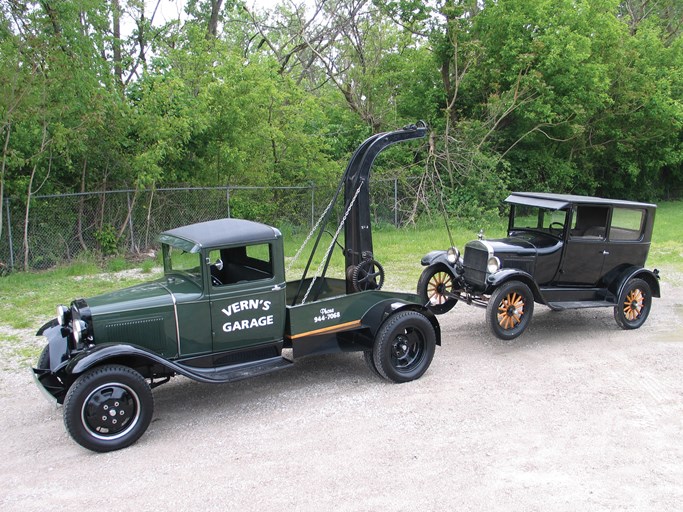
(223, 312)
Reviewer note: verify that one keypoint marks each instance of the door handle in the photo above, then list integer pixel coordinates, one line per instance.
(277, 288)
(605, 253)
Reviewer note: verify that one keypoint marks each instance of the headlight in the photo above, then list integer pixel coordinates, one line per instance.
(79, 329)
(492, 265)
(62, 314)
(453, 255)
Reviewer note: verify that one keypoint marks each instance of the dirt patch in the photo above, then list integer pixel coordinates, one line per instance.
(575, 415)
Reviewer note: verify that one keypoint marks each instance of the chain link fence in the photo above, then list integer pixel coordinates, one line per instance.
(60, 228)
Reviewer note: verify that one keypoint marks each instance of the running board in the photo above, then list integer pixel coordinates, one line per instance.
(234, 373)
(561, 306)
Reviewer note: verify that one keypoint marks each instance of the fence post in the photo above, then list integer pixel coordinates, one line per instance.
(9, 235)
(312, 205)
(227, 198)
(396, 202)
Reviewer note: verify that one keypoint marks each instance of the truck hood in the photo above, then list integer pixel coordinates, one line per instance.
(154, 294)
(512, 245)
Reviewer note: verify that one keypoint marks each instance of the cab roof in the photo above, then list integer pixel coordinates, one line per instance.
(218, 233)
(559, 201)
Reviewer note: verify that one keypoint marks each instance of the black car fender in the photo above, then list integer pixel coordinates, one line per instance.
(510, 274)
(617, 285)
(434, 257)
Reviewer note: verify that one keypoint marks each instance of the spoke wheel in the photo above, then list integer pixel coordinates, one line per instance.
(108, 408)
(433, 287)
(510, 309)
(634, 304)
(404, 346)
(368, 275)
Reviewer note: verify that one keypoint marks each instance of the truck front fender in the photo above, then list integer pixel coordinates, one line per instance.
(116, 353)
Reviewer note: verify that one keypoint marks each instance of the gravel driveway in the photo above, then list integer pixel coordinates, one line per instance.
(576, 415)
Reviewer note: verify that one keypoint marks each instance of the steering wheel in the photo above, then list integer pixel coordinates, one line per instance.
(368, 275)
(560, 228)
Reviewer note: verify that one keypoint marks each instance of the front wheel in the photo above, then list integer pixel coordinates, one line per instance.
(44, 358)
(404, 346)
(634, 304)
(434, 286)
(108, 408)
(509, 310)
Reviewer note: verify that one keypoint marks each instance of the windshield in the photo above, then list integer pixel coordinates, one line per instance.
(178, 261)
(525, 217)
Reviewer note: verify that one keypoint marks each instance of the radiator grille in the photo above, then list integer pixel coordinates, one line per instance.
(474, 261)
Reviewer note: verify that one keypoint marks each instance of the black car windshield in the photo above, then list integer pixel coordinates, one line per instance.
(179, 261)
(534, 218)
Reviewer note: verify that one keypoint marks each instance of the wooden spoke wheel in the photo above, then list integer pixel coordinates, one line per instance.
(434, 286)
(633, 305)
(510, 309)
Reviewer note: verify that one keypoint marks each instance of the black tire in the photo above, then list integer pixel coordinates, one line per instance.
(634, 304)
(404, 346)
(510, 309)
(44, 359)
(370, 362)
(108, 408)
(435, 281)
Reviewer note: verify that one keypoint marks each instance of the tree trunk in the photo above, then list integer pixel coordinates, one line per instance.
(29, 195)
(5, 148)
(116, 29)
(80, 207)
(212, 29)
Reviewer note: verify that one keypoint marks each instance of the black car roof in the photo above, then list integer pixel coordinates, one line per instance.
(218, 233)
(558, 201)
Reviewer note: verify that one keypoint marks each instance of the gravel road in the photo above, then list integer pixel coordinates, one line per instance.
(576, 415)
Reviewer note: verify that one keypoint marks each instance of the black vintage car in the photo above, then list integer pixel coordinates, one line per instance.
(564, 251)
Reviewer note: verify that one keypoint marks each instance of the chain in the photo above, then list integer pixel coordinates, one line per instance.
(308, 238)
(334, 238)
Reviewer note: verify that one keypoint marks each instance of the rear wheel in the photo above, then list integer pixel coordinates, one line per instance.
(370, 362)
(510, 309)
(433, 287)
(108, 408)
(634, 304)
(404, 346)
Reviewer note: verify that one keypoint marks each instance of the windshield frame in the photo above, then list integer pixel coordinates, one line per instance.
(179, 261)
(544, 219)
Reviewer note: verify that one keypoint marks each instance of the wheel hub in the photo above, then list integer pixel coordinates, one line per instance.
(109, 410)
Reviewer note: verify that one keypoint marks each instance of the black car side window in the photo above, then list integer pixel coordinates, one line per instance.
(589, 222)
(627, 224)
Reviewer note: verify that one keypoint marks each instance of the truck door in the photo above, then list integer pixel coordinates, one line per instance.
(247, 297)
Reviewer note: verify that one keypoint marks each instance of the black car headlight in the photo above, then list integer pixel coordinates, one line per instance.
(492, 265)
(452, 255)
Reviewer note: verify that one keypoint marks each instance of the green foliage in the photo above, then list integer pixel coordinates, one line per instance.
(581, 96)
(108, 240)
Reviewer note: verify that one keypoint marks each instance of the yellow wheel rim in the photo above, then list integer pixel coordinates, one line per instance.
(437, 285)
(633, 304)
(511, 310)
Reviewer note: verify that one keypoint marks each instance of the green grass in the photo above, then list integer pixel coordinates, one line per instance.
(667, 239)
(27, 300)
